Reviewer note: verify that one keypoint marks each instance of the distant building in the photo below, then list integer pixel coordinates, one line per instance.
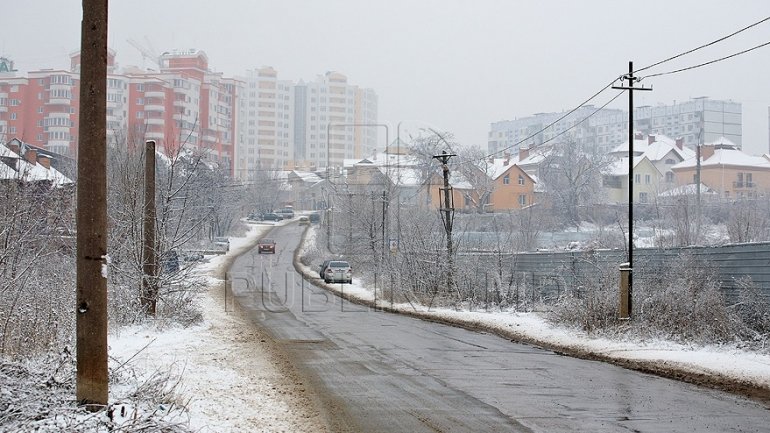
(265, 124)
(347, 113)
(256, 122)
(726, 170)
(699, 120)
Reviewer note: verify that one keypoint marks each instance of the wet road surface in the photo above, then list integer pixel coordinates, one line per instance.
(380, 372)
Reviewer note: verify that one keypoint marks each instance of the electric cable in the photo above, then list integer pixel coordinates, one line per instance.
(702, 46)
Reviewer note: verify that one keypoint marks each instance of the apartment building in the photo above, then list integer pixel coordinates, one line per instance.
(265, 124)
(697, 121)
(246, 124)
(339, 118)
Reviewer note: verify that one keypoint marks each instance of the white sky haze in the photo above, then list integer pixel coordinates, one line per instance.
(450, 65)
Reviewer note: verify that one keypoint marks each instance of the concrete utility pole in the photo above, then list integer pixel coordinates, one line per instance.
(150, 258)
(91, 295)
(630, 255)
(447, 214)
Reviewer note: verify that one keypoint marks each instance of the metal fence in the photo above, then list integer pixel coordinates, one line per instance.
(554, 271)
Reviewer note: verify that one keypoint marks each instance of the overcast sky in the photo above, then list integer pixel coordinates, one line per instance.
(450, 65)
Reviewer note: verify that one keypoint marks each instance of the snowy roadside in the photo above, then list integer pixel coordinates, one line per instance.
(232, 377)
(727, 368)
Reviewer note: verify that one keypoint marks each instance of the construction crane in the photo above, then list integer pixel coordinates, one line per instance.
(147, 51)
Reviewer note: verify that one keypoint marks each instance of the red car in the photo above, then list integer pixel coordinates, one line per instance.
(266, 246)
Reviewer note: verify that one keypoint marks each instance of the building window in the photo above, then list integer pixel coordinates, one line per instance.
(522, 200)
(647, 179)
(669, 177)
(140, 114)
(637, 178)
(506, 180)
(643, 197)
(521, 180)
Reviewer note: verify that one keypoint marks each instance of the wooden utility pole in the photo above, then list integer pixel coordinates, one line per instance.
(447, 214)
(630, 254)
(91, 296)
(150, 258)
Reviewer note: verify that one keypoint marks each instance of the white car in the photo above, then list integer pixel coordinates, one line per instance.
(338, 271)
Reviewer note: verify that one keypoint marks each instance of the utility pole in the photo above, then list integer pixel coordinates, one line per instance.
(630, 87)
(447, 214)
(91, 294)
(150, 258)
(384, 224)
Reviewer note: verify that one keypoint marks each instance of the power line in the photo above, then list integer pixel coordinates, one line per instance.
(555, 121)
(703, 46)
(706, 63)
(559, 119)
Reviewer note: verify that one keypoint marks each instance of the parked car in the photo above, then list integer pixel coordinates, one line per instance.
(271, 216)
(304, 221)
(338, 271)
(286, 213)
(266, 246)
(170, 261)
(222, 242)
(315, 217)
(322, 268)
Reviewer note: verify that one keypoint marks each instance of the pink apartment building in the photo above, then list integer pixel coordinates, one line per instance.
(183, 105)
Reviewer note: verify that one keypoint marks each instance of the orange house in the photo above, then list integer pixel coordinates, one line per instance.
(501, 186)
(728, 171)
(513, 189)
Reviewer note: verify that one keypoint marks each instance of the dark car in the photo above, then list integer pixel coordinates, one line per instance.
(286, 214)
(315, 217)
(266, 246)
(338, 271)
(322, 268)
(271, 216)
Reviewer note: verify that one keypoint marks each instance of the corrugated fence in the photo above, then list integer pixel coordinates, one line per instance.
(558, 270)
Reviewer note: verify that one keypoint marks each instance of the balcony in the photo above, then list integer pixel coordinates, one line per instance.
(154, 135)
(49, 129)
(154, 107)
(740, 185)
(155, 121)
(155, 94)
(59, 100)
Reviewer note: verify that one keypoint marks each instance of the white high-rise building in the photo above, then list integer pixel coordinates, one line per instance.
(697, 121)
(339, 121)
(265, 127)
(282, 125)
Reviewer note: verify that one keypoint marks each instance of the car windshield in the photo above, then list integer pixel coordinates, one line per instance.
(339, 265)
(266, 241)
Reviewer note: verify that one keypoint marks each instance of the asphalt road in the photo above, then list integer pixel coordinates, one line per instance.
(381, 372)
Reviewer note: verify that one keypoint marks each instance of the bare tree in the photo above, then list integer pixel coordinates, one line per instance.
(36, 250)
(476, 169)
(748, 221)
(572, 174)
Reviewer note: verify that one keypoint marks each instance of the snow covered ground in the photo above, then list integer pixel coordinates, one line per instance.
(237, 380)
(234, 377)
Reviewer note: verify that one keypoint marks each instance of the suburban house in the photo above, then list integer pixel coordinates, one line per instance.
(306, 190)
(726, 170)
(22, 163)
(662, 151)
(647, 180)
(513, 187)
